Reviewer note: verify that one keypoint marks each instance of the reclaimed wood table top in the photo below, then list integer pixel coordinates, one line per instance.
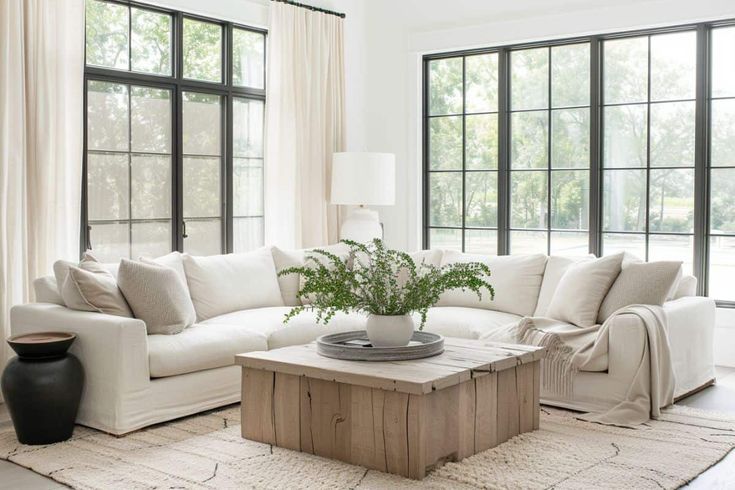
(461, 360)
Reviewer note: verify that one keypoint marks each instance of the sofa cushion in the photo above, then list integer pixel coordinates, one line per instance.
(301, 329)
(582, 288)
(515, 278)
(556, 266)
(174, 260)
(467, 323)
(290, 284)
(200, 347)
(428, 257)
(220, 284)
(46, 290)
(687, 287)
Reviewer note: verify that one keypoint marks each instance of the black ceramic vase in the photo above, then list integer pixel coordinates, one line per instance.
(42, 387)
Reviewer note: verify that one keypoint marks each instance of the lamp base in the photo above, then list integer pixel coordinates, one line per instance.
(362, 225)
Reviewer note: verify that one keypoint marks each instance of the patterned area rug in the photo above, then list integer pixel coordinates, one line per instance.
(206, 451)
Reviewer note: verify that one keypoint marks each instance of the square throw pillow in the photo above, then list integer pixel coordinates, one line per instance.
(556, 266)
(90, 286)
(515, 278)
(174, 260)
(219, 284)
(582, 289)
(290, 284)
(157, 296)
(646, 283)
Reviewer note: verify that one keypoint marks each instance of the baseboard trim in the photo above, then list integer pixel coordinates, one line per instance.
(695, 390)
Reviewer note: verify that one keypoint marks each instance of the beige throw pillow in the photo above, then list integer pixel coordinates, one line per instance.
(640, 283)
(90, 286)
(157, 296)
(175, 261)
(582, 289)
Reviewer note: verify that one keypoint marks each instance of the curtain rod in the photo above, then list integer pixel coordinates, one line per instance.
(311, 7)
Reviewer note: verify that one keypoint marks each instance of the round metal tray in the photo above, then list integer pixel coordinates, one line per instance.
(355, 346)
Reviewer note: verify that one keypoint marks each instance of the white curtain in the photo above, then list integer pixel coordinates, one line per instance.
(41, 105)
(304, 125)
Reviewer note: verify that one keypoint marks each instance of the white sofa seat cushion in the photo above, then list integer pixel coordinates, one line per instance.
(467, 323)
(515, 278)
(200, 347)
(301, 329)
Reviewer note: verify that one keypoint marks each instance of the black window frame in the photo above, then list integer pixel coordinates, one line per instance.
(702, 167)
(177, 85)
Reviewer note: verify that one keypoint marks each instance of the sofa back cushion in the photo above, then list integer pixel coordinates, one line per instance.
(515, 278)
(428, 257)
(223, 283)
(582, 288)
(46, 290)
(687, 286)
(556, 266)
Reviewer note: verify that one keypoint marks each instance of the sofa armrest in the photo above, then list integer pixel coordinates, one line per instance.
(627, 345)
(112, 349)
(691, 329)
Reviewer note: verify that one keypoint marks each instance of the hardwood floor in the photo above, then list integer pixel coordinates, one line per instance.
(720, 397)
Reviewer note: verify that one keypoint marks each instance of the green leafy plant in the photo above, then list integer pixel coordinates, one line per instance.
(379, 281)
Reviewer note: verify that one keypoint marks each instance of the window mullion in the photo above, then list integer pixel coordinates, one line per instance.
(701, 161)
(504, 152)
(595, 193)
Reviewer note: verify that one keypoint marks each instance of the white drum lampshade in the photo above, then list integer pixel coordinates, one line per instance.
(359, 179)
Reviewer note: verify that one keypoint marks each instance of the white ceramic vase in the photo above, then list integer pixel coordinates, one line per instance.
(389, 330)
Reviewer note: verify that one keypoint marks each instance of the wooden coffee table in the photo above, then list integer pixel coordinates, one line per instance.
(402, 417)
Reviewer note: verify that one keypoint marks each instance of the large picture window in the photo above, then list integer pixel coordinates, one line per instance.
(599, 144)
(174, 133)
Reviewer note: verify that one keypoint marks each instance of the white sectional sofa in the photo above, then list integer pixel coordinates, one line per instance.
(134, 379)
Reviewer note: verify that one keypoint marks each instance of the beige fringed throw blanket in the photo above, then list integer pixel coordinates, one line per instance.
(571, 349)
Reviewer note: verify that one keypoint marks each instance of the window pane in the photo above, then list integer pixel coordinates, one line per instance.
(445, 191)
(481, 242)
(151, 186)
(481, 79)
(722, 268)
(528, 242)
(569, 244)
(110, 241)
(625, 70)
(671, 205)
(248, 58)
(202, 50)
(528, 199)
(624, 139)
(672, 134)
(151, 41)
(201, 187)
(247, 234)
(723, 62)
(445, 86)
(481, 194)
(445, 239)
(570, 75)
(529, 83)
(529, 133)
(624, 200)
(445, 143)
(481, 140)
(150, 123)
(672, 247)
(723, 133)
(107, 34)
(247, 187)
(570, 138)
(204, 237)
(722, 201)
(151, 239)
(247, 128)
(107, 116)
(570, 191)
(202, 122)
(107, 186)
(613, 243)
(673, 66)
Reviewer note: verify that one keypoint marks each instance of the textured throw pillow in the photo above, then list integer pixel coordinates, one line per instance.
(89, 287)
(290, 284)
(647, 283)
(515, 278)
(173, 260)
(582, 288)
(157, 296)
(556, 266)
(223, 283)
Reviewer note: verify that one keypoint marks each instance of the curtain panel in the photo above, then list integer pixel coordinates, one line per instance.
(304, 125)
(41, 104)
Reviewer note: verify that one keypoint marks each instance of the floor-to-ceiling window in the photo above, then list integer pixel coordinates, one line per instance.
(174, 132)
(599, 144)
